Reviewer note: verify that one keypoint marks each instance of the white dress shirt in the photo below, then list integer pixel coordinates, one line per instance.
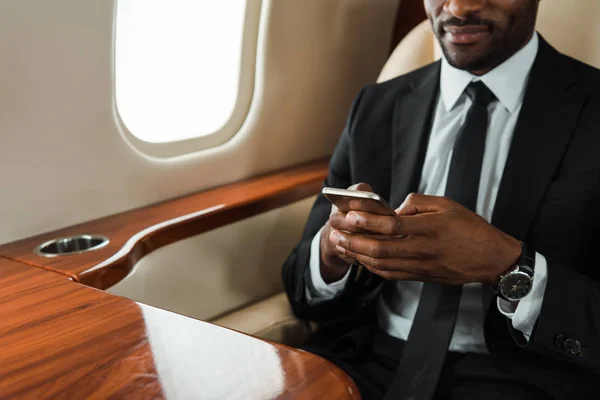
(508, 82)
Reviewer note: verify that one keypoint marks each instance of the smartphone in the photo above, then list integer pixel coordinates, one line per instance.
(348, 200)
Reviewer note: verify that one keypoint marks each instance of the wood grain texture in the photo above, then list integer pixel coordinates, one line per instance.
(63, 340)
(136, 233)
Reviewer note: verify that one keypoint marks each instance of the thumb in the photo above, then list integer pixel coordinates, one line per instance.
(363, 187)
(416, 203)
(407, 209)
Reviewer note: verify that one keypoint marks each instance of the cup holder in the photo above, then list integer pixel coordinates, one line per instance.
(71, 245)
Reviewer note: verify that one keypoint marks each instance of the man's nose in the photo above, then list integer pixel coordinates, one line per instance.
(462, 8)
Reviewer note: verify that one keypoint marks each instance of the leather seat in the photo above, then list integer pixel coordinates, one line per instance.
(271, 319)
(571, 27)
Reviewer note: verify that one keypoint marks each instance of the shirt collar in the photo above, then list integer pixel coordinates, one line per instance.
(507, 81)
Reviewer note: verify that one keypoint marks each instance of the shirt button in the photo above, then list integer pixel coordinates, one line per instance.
(569, 345)
(577, 348)
(559, 340)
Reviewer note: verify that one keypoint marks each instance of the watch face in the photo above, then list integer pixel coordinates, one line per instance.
(515, 285)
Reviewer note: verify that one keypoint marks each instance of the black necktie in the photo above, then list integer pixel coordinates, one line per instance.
(427, 344)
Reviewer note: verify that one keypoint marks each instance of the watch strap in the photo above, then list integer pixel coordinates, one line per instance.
(527, 260)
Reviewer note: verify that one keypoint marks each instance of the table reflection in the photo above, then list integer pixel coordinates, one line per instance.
(197, 360)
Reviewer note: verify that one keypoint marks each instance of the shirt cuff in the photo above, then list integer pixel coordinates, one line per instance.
(319, 290)
(525, 313)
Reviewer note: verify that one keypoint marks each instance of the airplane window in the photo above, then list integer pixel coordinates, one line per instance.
(177, 66)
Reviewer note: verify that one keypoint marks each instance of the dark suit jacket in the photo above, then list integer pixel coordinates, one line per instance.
(549, 197)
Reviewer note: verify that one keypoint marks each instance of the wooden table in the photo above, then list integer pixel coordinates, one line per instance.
(63, 340)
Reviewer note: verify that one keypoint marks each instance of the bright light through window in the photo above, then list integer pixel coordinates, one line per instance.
(177, 66)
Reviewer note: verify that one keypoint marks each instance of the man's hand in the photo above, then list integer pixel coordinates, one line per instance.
(445, 242)
(334, 263)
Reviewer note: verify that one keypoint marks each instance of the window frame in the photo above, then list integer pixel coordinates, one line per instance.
(241, 108)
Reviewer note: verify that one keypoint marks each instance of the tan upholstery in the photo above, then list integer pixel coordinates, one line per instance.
(270, 319)
(417, 49)
(570, 26)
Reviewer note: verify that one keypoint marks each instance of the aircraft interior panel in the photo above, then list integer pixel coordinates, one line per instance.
(208, 275)
(61, 132)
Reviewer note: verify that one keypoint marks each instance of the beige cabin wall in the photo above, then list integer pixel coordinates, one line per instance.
(67, 158)
(64, 158)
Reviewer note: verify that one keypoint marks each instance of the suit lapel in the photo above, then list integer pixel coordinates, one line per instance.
(411, 128)
(548, 118)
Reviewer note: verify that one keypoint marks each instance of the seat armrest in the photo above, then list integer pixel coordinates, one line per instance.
(135, 234)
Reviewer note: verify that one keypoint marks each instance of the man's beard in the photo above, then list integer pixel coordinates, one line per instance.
(504, 43)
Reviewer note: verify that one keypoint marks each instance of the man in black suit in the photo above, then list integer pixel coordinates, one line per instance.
(485, 283)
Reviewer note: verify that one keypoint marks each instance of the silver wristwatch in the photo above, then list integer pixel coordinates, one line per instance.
(517, 283)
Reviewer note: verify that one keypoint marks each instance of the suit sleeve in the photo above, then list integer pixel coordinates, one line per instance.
(296, 269)
(568, 326)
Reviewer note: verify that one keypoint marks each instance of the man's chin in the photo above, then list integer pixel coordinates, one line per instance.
(472, 57)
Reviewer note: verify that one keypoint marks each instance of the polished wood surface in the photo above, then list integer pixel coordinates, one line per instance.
(136, 233)
(63, 340)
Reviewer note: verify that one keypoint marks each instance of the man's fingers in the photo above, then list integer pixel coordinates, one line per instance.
(362, 187)
(346, 259)
(416, 203)
(408, 265)
(397, 275)
(413, 225)
(394, 275)
(405, 269)
(338, 221)
(387, 248)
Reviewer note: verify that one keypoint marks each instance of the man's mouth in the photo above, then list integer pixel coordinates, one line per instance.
(469, 34)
